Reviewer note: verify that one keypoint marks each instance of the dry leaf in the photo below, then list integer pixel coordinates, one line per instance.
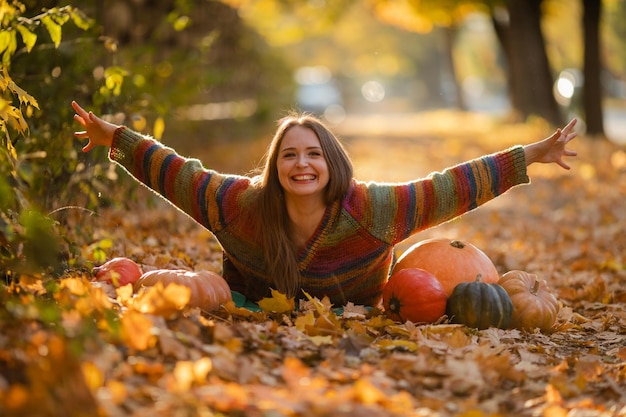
(277, 303)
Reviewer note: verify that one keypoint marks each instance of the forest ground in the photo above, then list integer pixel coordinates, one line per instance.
(84, 354)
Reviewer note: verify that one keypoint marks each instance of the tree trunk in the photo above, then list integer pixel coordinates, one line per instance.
(449, 38)
(592, 89)
(529, 76)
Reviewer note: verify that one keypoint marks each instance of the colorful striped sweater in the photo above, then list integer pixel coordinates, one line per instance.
(349, 256)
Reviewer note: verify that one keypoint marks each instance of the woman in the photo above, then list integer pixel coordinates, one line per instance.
(305, 224)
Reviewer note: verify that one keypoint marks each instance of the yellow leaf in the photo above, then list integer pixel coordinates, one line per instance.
(124, 293)
(54, 29)
(159, 128)
(93, 375)
(4, 40)
(139, 122)
(32, 285)
(392, 344)
(10, 48)
(76, 286)
(79, 19)
(239, 312)
(137, 330)
(183, 373)
(321, 340)
(28, 37)
(306, 320)
(322, 306)
(162, 301)
(379, 322)
(277, 303)
(201, 369)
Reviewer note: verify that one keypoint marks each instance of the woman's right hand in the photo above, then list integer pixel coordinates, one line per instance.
(97, 131)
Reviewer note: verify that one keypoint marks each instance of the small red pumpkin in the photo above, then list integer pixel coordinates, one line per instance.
(208, 289)
(118, 272)
(451, 261)
(415, 295)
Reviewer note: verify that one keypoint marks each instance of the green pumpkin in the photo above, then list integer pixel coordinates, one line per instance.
(480, 305)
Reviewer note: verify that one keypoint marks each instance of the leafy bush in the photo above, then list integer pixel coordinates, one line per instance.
(29, 240)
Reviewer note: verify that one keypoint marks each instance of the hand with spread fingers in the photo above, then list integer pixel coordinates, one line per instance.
(99, 132)
(552, 149)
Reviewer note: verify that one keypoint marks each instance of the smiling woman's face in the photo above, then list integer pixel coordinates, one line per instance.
(302, 167)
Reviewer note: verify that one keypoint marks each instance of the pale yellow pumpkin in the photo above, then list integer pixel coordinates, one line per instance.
(534, 304)
(208, 289)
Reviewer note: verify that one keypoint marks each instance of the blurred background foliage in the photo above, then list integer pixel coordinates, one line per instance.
(200, 73)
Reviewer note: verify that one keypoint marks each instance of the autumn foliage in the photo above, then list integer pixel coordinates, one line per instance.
(67, 348)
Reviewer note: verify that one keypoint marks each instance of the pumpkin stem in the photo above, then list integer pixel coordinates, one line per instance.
(479, 278)
(535, 287)
(457, 244)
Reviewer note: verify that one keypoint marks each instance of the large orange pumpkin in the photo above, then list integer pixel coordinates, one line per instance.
(534, 304)
(415, 295)
(208, 289)
(451, 261)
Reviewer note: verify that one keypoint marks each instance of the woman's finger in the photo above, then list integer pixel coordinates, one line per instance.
(78, 109)
(88, 147)
(80, 119)
(569, 126)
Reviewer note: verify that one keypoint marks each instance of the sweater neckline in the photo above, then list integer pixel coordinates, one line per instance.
(306, 254)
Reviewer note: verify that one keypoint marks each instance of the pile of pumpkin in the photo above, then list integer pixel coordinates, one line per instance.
(207, 290)
(438, 277)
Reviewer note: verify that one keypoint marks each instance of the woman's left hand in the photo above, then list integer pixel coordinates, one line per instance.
(553, 148)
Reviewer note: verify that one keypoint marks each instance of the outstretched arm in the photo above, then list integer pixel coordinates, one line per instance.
(99, 132)
(552, 149)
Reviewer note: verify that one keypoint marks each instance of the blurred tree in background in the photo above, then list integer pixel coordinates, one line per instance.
(535, 41)
(146, 64)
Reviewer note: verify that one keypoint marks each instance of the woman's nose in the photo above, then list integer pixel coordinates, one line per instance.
(302, 161)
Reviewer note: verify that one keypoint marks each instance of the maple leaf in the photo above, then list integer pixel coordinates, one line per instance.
(277, 303)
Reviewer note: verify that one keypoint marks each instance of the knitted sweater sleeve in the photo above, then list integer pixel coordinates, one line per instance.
(393, 212)
(203, 194)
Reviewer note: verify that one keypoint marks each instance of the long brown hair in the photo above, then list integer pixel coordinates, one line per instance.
(279, 250)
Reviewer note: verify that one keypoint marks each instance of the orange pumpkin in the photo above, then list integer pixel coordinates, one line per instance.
(208, 289)
(415, 295)
(451, 261)
(534, 304)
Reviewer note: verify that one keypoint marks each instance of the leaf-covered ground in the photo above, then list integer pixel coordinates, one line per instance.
(66, 348)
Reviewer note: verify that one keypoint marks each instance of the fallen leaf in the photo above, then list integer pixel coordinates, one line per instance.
(277, 303)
